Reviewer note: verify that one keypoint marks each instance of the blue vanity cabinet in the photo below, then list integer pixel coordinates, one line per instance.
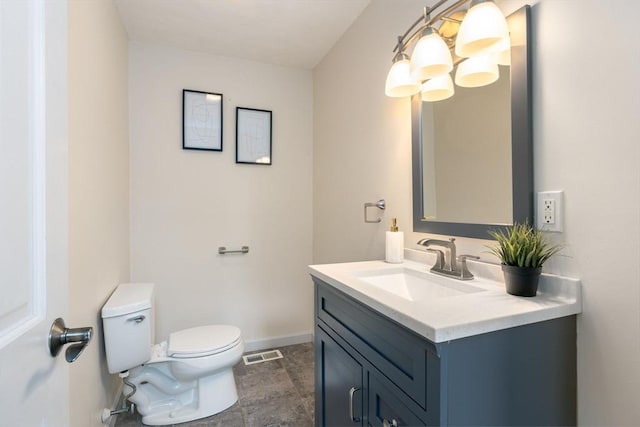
(524, 375)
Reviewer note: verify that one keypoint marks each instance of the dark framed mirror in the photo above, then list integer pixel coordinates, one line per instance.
(472, 155)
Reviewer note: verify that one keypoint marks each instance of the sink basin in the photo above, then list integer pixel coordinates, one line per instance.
(414, 285)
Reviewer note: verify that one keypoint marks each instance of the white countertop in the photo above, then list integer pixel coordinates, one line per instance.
(449, 318)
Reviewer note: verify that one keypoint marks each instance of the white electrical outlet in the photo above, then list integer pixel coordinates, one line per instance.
(549, 211)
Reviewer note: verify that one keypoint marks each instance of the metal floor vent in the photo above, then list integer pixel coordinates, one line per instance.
(265, 356)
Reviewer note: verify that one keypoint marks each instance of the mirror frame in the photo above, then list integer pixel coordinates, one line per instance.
(521, 143)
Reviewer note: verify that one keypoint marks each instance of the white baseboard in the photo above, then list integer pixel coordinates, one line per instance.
(268, 343)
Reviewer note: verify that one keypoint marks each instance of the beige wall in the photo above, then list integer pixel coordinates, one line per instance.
(187, 203)
(586, 142)
(98, 191)
(361, 150)
(586, 136)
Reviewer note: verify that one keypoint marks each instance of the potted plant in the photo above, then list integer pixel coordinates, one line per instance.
(522, 251)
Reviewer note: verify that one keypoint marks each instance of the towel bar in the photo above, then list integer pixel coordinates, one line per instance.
(222, 250)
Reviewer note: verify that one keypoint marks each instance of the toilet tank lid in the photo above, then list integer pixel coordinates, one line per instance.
(128, 298)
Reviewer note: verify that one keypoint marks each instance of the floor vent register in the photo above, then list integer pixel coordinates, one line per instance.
(264, 356)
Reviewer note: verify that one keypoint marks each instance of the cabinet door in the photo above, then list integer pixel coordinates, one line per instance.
(339, 392)
(386, 407)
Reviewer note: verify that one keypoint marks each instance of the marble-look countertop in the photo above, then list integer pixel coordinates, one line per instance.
(447, 318)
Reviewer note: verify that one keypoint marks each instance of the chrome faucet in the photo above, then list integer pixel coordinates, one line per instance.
(447, 261)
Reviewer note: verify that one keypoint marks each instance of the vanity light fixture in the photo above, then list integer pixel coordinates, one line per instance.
(503, 54)
(399, 81)
(431, 56)
(437, 88)
(481, 30)
(479, 37)
(479, 70)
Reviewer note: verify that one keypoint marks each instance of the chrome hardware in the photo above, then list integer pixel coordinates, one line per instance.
(137, 319)
(108, 413)
(380, 204)
(352, 391)
(464, 271)
(450, 245)
(439, 258)
(449, 265)
(223, 250)
(386, 423)
(59, 335)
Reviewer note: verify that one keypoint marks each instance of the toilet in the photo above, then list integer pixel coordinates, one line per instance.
(187, 377)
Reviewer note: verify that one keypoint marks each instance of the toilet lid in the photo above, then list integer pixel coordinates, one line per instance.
(202, 340)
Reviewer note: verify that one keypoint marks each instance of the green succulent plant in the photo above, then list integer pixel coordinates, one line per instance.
(522, 246)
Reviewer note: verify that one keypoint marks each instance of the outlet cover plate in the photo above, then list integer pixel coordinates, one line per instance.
(549, 211)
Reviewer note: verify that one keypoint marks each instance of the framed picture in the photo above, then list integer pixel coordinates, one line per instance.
(253, 136)
(201, 120)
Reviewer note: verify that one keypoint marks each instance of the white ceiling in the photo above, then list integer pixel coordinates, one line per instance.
(296, 33)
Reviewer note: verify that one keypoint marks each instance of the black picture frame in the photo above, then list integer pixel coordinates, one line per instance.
(254, 129)
(201, 120)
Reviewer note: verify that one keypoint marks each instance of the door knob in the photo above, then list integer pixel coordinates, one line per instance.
(59, 335)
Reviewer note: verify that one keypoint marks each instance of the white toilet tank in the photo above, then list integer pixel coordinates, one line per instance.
(128, 324)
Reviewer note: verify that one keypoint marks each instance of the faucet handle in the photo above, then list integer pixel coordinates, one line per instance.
(464, 271)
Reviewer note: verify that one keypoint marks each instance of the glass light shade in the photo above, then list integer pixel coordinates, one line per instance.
(431, 57)
(438, 88)
(477, 71)
(399, 81)
(481, 30)
(503, 55)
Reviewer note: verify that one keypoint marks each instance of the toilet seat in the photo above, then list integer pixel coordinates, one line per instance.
(202, 341)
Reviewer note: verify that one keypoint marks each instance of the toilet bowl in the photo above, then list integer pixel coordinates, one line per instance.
(187, 377)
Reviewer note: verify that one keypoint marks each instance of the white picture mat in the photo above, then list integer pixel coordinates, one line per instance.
(202, 120)
(253, 136)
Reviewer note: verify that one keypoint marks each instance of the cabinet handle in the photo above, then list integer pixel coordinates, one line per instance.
(352, 391)
(386, 423)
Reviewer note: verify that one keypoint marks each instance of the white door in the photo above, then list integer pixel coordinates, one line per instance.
(33, 210)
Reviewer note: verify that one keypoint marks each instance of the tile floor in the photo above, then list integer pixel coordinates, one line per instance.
(275, 393)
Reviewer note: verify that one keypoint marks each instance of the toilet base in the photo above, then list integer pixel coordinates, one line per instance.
(215, 394)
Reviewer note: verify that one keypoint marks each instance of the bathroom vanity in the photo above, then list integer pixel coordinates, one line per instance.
(398, 346)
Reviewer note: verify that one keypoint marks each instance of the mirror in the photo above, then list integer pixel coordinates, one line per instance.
(472, 153)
